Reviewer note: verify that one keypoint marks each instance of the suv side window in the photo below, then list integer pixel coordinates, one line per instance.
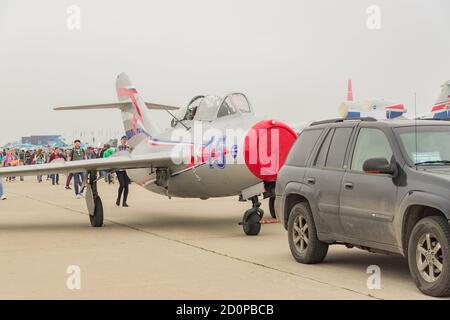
(338, 148)
(323, 152)
(371, 143)
(302, 149)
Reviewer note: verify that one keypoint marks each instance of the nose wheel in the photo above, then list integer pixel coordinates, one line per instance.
(251, 222)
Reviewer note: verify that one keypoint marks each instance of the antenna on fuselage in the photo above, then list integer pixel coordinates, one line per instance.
(415, 125)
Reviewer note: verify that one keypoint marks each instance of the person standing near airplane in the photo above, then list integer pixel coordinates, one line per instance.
(124, 180)
(108, 151)
(70, 175)
(2, 194)
(77, 154)
(39, 159)
(55, 177)
(8, 161)
(90, 154)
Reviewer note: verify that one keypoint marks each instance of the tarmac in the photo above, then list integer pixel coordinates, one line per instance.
(168, 249)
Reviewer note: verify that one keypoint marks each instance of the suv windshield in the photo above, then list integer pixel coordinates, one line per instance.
(426, 145)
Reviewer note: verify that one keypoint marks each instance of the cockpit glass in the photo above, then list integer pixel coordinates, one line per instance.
(227, 108)
(207, 109)
(240, 101)
(188, 112)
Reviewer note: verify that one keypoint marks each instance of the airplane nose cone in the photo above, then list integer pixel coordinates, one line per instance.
(266, 147)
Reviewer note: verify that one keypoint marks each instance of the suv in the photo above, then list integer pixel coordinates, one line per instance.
(382, 186)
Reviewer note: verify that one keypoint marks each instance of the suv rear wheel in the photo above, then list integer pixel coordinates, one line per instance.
(429, 256)
(303, 242)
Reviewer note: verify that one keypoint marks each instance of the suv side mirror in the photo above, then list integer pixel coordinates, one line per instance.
(380, 165)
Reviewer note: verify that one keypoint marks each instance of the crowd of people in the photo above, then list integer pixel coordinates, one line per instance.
(20, 157)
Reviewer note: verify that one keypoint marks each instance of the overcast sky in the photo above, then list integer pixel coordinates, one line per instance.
(292, 58)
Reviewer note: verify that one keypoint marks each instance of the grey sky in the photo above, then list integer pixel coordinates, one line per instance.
(292, 58)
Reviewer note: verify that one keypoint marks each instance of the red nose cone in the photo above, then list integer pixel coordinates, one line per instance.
(266, 147)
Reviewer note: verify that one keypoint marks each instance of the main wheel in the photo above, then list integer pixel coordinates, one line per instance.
(97, 218)
(302, 235)
(272, 207)
(251, 220)
(429, 256)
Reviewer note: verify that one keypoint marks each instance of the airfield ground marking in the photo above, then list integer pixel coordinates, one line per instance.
(199, 247)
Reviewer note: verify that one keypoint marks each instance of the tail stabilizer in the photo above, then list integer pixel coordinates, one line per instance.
(116, 105)
(349, 90)
(441, 110)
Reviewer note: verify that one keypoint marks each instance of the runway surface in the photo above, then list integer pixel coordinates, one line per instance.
(168, 249)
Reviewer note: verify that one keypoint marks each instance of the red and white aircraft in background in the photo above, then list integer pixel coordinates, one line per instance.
(441, 109)
(377, 108)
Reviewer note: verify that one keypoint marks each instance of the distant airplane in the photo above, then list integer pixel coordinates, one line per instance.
(239, 154)
(441, 109)
(378, 108)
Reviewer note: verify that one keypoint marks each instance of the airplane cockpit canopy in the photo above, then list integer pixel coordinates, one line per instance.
(210, 108)
(207, 109)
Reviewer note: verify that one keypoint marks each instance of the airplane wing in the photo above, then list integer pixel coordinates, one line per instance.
(121, 161)
(117, 105)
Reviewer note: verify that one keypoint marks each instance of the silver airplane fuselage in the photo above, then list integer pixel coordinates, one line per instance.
(201, 177)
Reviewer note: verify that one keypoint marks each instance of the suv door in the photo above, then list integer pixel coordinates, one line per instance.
(368, 200)
(325, 177)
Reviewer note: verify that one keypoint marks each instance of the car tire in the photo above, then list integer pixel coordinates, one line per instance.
(429, 256)
(302, 234)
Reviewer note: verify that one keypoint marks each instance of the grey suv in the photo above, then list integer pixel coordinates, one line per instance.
(382, 186)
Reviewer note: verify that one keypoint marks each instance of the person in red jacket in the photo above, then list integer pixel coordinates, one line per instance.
(55, 155)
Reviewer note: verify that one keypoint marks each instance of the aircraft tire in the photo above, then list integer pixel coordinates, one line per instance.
(97, 218)
(251, 220)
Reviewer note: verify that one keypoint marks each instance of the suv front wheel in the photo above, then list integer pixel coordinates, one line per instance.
(429, 256)
(302, 234)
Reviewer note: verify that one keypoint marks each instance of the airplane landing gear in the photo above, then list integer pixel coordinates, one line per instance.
(272, 207)
(252, 218)
(93, 201)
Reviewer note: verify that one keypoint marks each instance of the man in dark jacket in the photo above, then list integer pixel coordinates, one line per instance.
(122, 176)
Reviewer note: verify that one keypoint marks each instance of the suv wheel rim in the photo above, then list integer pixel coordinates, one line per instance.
(301, 234)
(429, 257)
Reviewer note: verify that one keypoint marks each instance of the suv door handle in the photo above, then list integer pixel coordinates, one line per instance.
(311, 180)
(348, 185)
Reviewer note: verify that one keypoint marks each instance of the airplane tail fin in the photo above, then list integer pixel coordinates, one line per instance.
(136, 120)
(349, 90)
(442, 107)
(445, 93)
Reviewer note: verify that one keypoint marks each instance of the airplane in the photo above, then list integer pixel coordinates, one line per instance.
(378, 108)
(216, 147)
(441, 109)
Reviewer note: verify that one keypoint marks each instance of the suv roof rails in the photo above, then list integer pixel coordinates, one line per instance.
(342, 120)
(435, 119)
